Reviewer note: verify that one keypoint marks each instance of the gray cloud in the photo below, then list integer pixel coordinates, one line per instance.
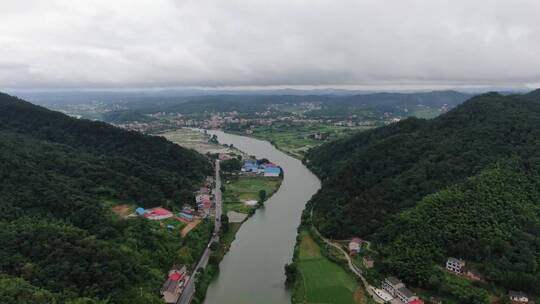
(160, 43)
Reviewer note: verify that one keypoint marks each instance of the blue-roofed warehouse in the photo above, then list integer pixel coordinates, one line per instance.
(272, 171)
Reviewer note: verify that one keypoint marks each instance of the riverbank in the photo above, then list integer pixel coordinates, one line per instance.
(235, 188)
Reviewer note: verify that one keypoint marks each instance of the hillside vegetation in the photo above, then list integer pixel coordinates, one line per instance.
(58, 238)
(463, 184)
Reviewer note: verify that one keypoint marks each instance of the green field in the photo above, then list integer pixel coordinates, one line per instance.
(296, 139)
(320, 280)
(244, 188)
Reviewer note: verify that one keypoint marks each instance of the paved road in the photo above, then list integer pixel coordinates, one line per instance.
(189, 290)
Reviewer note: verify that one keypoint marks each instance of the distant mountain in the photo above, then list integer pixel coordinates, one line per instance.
(60, 177)
(379, 102)
(407, 187)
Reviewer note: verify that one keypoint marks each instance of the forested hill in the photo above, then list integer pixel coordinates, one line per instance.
(57, 233)
(377, 184)
(373, 175)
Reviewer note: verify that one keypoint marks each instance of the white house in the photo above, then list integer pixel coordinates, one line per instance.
(455, 265)
(518, 297)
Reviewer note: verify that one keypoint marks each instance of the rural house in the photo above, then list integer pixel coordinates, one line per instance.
(368, 262)
(455, 265)
(172, 288)
(354, 246)
(518, 297)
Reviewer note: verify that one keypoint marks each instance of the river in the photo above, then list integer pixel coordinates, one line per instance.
(253, 270)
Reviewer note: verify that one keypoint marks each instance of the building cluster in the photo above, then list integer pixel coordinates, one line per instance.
(174, 285)
(253, 166)
(203, 201)
(458, 266)
(399, 292)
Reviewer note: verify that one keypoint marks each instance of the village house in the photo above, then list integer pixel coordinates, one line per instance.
(391, 285)
(354, 246)
(368, 262)
(173, 286)
(455, 265)
(518, 297)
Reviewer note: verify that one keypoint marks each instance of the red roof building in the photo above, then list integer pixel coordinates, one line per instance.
(175, 276)
(416, 301)
(157, 213)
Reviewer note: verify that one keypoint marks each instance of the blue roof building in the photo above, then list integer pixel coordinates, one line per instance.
(272, 171)
(140, 211)
(187, 216)
(251, 165)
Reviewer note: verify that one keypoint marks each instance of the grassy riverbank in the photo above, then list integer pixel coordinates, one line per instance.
(238, 190)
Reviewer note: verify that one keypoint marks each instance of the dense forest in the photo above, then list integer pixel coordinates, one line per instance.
(58, 237)
(464, 184)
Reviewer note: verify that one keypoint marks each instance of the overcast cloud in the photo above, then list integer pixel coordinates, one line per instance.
(160, 43)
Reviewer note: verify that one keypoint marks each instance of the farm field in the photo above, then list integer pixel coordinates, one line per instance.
(193, 139)
(320, 280)
(246, 188)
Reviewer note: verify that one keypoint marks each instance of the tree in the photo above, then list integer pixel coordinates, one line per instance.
(262, 196)
(224, 223)
(231, 165)
(290, 274)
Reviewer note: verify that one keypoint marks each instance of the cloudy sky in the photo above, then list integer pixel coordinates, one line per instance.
(241, 43)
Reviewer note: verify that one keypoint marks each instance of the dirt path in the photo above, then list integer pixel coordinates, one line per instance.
(190, 226)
